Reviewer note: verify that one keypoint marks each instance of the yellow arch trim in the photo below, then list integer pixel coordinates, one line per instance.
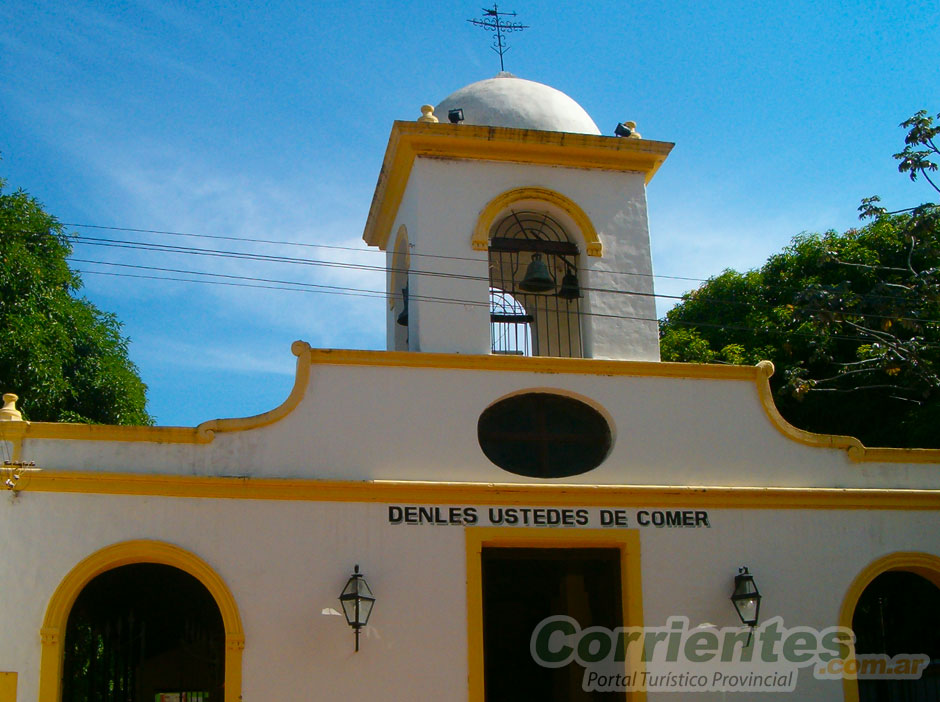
(481, 234)
(52, 632)
(925, 565)
(631, 581)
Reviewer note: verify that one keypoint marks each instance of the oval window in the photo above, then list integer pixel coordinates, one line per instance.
(541, 435)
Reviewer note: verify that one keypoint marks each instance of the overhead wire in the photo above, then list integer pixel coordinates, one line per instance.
(269, 258)
(170, 248)
(310, 287)
(246, 255)
(296, 286)
(354, 249)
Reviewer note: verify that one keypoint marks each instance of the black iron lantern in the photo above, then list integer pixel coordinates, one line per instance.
(746, 598)
(357, 601)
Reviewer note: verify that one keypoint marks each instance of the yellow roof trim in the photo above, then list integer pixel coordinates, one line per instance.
(409, 140)
(201, 434)
(414, 492)
(533, 364)
(759, 375)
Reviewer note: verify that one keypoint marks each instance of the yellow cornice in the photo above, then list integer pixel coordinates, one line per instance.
(409, 140)
(306, 357)
(533, 364)
(411, 492)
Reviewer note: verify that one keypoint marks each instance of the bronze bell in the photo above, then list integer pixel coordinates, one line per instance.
(537, 278)
(570, 288)
(403, 315)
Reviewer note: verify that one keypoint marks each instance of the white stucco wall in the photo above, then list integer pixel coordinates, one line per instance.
(285, 562)
(444, 199)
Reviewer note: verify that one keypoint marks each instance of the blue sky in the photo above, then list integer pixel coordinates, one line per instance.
(270, 121)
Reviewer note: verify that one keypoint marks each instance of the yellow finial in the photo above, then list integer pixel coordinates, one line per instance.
(9, 413)
(427, 114)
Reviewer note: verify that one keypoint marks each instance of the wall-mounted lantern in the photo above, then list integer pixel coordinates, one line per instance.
(746, 599)
(357, 601)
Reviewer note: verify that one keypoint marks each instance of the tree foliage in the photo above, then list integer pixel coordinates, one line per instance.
(851, 321)
(66, 359)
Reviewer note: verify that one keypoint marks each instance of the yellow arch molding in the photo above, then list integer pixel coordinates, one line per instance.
(925, 565)
(126, 553)
(481, 234)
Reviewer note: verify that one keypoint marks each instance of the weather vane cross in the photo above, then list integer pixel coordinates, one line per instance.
(493, 22)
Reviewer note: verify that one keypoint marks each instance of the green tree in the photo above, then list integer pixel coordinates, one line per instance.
(66, 359)
(851, 321)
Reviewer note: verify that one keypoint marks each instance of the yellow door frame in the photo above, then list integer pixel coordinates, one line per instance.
(631, 581)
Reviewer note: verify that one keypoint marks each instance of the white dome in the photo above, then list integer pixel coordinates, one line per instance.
(507, 101)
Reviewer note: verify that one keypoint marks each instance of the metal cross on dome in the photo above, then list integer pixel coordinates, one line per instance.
(492, 22)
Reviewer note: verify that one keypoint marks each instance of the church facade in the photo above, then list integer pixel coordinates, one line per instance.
(540, 507)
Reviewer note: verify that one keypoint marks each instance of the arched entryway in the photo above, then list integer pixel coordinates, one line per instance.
(893, 607)
(141, 617)
(144, 632)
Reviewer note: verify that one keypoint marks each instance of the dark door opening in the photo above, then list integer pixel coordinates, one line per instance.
(899, 612)
(523, 586)
(144, 632)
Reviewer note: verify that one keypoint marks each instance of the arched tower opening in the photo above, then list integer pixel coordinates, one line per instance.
(535, 293)
(398, 288)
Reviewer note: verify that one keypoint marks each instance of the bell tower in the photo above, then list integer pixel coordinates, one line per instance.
(516, 228)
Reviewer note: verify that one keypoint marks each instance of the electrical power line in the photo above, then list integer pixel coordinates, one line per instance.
(118, 243)
(354, 249)
(268, 258)
(295, 286)
(172, 248)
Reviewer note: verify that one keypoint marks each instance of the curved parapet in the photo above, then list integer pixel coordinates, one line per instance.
(526, 368)
(856, 450)
(207, 430)
(202, 434)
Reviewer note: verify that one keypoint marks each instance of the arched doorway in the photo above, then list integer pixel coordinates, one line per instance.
(55, 624)
(899, 612)
(893, 607)
(144, 632)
